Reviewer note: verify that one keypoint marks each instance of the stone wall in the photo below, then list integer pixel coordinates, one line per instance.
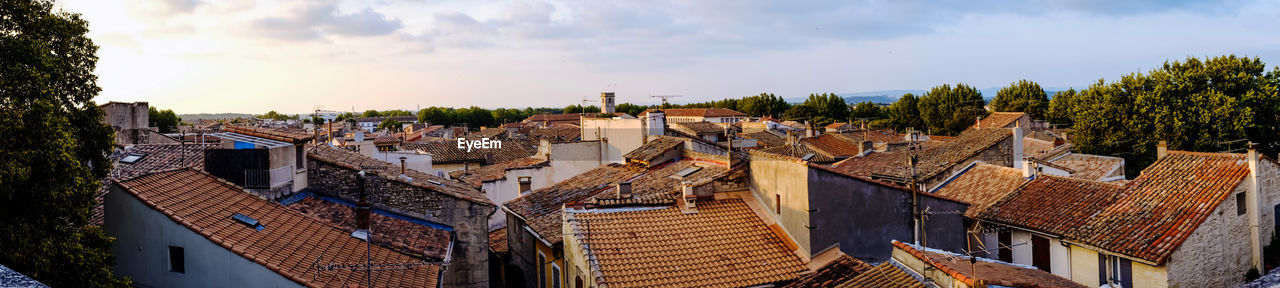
(469, 266)
(1217, 254)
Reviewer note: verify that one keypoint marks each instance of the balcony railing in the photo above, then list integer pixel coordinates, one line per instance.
(266, 179)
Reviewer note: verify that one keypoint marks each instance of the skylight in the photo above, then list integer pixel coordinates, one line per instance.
(687, 171)
(131, 158)
(249, 221)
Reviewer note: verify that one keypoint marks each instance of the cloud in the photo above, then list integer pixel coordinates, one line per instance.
(311, 21)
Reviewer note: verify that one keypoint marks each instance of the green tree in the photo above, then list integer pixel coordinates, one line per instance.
(828, 105)
(905, 113)
(867, 110)
(1022, 96)
(949, 110)
(437, 116)
(800, 113)
(164, 120)
(580, 109)
(389, 125)
(394, 113)
(55, 148)
(763, 105)
(1060, 107)
(370, 113)
(629, 108)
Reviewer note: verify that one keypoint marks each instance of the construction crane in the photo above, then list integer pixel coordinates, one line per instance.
(664, 97)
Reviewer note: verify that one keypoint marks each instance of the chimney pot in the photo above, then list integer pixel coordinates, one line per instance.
(690, 200)
(1162, 149)
(624, 190)
(402, 165)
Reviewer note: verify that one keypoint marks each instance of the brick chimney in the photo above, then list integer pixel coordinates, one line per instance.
(624, 190)
(1162, 149)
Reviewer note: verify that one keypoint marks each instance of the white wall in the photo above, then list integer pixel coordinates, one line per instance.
(1021, 242)
(143, 237)
(503, 190)
(622, 135)
(573, 158)
(1060, 258)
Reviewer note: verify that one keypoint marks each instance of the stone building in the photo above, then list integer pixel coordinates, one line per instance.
(417, 195)
(130, 121)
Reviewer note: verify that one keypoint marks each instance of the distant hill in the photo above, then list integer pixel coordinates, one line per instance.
(213, 116)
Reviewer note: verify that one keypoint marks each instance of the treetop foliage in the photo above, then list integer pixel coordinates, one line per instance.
(1022, 96)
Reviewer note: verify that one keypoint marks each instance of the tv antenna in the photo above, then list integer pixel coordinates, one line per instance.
(664, 97)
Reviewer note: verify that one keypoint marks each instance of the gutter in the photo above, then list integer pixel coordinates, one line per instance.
(448, 257)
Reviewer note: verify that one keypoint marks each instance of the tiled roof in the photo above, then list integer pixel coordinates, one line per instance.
(1092, 167)
(699, 127)
(566, 117)
(885, 275)
(155, 157)
(935, 158)
(991, 272)
(724, 244)
(765, 139)
(1161, 208)
(836, 125)
(834, 273)
(291, 242)
(448, 151)
(1000, 120)
(490, 133)
(654, 148)
(385, 140)
(273, 134)
(655, 186)
(834, 144)
(1036, 148)
(876, 136)
(356, 161)
(558, 133)
(798, 151)
(982, 185)
(1051, 204)
(498, 240)
(393, 233)
(13, 279)
(696, 112)
(477, 176)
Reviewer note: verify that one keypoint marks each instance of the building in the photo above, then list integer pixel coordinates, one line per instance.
(137, 160)
(268, 162)
(186, 228)
(616, 136)
(713, 115)
(131, 123)
(838, 127)
(446, 156)
(606, 102)
(946, 269)
(417, 196)
(705, 130)
(938, 161)
(371, 123)
(505, 181)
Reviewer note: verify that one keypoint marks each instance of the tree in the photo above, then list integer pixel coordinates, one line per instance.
(949, 110)
(437, 116)
(905, 113)
(273, 115)
(763, 105)
(389, 125)
(629, 108)
(580, 109)
(867, 110)
(800, 113)
(370, 113)
(828, 105)
(1060, 107)
(165, 120)
(1022, 96)
(55, 148)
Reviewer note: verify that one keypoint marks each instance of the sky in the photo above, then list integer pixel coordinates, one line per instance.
(294, 56)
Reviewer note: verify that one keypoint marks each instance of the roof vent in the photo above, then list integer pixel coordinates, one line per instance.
(360, 234)
(248, 221)
(435, 182)
(807, 157)
(687, 171)
(132, 158)
(624, 190)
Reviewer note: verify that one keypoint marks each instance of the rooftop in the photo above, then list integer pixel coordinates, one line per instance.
(933, 160)
(723, 244)
(477, 176)
(654, 148)
(358, 162)
(13, 279)
(699, 127)
(1091, 167)
(1000, 120)
(443, 152)
(834, 144)
(273, 134)
(982, 185)
(416, 238)
(991, 272)
(834, 273)
(498, 240)
(765, 139)
(146, 158)
(289, 244)
(557, 133)
(696, 112)
(885, 275)
(1050, 204)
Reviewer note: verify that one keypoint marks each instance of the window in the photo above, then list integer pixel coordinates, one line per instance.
(777, 203)
(526, 182)
(542, 270)
(577, 282)
(298, 157)
(555, 276)
(1115, 270)
(176, 261)
(1240, 204)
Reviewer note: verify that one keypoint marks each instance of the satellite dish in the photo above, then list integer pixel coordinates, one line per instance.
(359, 136)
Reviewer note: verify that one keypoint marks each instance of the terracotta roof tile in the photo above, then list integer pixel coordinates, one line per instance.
(654, 148)
(498, 240)
(289, 244)
(698, 127)
(798, 151)
(356, 161)
(837, 271)
(1161, 208)
(765, 139)
(1051, 204)
(724, 244)
(1000, 120)
(981, 186)
(477, 176)
(558, 133)
(448, 151)
(393, 233)
(1091, 167)
(386, 140)
(876, 136)
(273, 134)
(155, 157)
(993, 272)
(696, 112)
(834, 144)
(885, 275)
(935, 158)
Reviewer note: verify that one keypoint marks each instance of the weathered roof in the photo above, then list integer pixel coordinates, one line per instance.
(1036, 148)
(498, 240)
(696, 112)
(934, 159)
(382, 118)
(273, 134)
(838, 271)
(765, 139)
(490, 133)
(699, 127)
(386, 140)
(448, 151)
(1051, 204)
(477, 176)
(724, 244)
(391, 232)
(154, 157)
(799, 151)
(994, 273)
(358, 162)
(876, 136)
(13, 279)
(654, 148)
(834, 144)
(885, 275)
(982, 185)
(1161, 208)
(836, 125)
(1091, 167)
(289, 244)
(557, 133)
(1000, 120)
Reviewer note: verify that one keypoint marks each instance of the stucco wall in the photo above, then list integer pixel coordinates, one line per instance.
(143, 237)
(1149, 276)
(864, 217)
(521, 244)
(503, 190)
(623, 135)
(1217, 254)
(1060, 258)
(470, 266)
(1022, 250)
(771, 178)
(573, 158)
(1084, 266)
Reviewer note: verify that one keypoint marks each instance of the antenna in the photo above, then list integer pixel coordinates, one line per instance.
(664, 97)
(583, 107)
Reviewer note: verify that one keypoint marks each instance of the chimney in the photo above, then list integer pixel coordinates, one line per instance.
(1017, 146)
(808, 129)
(793, 137)
(624, 190)
(402, 160)
(866, 148)
(1029, 168)
(544, 149)
(1251, 200)
(977, 122)
(1162, 149)
(362, 207)
(690, 200)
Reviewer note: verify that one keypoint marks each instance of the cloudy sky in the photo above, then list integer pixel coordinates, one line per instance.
(200, 56)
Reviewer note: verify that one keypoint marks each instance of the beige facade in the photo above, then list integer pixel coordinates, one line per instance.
(784, 192)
